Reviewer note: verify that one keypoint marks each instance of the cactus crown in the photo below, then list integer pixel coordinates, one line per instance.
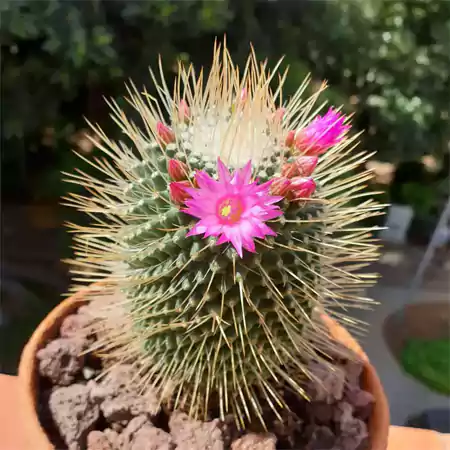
(222, 273)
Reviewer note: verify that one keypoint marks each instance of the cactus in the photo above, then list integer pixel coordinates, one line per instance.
(228, 229)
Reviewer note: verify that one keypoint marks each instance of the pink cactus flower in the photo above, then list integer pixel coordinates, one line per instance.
(178, 192)
(322, 133)
(178, 170)
(232, 208)
(165, 133)
(302, 188)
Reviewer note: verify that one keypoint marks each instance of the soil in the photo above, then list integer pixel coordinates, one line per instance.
(81, 412)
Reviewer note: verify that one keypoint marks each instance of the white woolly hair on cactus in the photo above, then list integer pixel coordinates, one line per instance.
(223, 276)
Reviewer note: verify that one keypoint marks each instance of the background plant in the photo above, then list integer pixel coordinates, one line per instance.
(386, 60)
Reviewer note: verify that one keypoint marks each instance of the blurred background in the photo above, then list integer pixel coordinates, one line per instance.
(387, 62)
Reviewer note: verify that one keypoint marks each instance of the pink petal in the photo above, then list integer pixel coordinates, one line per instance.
(224, 174)
(266, 230)
(196, 229)
(213, 230)
(266, 186)
(205, 181)
(249, 244)
(223, 239)
(236, 240)
(245, 174)
(201, 206)
(272, 215)
(256, 229)
(273, 199)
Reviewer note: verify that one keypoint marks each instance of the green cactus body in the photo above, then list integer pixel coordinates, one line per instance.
(206, 326)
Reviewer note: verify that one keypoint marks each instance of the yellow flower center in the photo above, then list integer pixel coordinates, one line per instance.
(230, 209)
(226, 210)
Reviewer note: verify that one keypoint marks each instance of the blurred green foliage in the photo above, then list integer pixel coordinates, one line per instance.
(386, 60)
(429, 362)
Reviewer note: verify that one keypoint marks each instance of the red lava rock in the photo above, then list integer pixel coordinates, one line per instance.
(103, 440)
(288, 428)
(353, 430)
(362, 402)
(190, 434)
(343, 414)
(321, 438)
(75, 325)
(321, 412)
(119, 399)
(333, 420)
(118, 427)
(115, 382)
(230, 431)
(73, 414)
(353, 371)
(132, 428)
(140, 434)
(331, 386)
(149, 437)
(253, 441)
(61, 360)
(126, 406)
(355, 437)
(97, 440)
(113, 437)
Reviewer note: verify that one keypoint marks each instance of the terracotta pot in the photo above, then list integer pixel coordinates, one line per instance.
(35, 435)
(49, 327)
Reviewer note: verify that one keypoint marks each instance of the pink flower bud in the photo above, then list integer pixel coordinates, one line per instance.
(165, 133)
(280, 186)
(177, 190)
(289, 170)
(306, 165)
(302, 188)
(290, 138)
(184, 112)
(278, 115)
(322, 133)
(244, 95)
(178, 170)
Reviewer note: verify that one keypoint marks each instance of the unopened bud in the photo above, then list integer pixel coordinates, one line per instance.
(302, 188)
(280, 186)
(177, 190)
(306, 165)
(278, 115)
(184, 112)
(244, 95)
(165, 133)
(289, 170)
(290, 138)
(178, 170)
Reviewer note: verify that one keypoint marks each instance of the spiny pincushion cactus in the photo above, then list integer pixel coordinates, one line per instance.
(225, 230)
